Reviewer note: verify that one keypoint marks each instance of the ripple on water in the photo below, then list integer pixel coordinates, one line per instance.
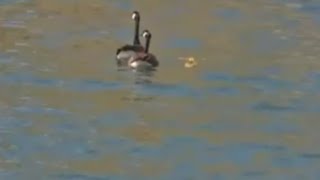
(42, 137)
(178, 90)
(222, 77)
(122, 4)
(218, 76)
(117, 144)
(75, 85)
(9, 124)
(311, 156)
(179, 146)
(313, 80)
(289, 160)
(40, 110)
(4, 2)
(273, 107)
(267, 84)
(79, 176)
(226, 91)
(146, 151)
(64, 146)
(229, 14)
(27, 79)
(246, 153)
(263, 83)
(27, 15)
(14, 24)
(115, 119)
(312, 8)
(94, 85)
(6, 62)
(185, 170)
(279, 126)
(8, 174)
(265, 42)
(187, 43)
(54, 40)
(255, 174)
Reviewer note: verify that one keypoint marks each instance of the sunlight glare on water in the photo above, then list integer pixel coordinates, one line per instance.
(248, 110)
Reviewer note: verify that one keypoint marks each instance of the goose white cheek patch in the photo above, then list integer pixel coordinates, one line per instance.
(134, 16)
(145, 34)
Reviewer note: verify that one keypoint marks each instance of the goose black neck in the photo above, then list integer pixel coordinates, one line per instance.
(136, 40)
(148, 39)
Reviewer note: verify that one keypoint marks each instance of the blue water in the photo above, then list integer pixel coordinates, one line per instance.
(245, 120)
(3, 2)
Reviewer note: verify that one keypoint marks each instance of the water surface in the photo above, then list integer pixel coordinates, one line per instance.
(249, 110)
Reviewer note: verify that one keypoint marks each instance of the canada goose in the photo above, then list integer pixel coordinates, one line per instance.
(124, 53)
(144, 60)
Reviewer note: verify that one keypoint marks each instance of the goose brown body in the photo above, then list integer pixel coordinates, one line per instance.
(144, 59)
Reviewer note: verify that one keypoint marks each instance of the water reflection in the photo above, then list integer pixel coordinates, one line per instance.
(248, 110)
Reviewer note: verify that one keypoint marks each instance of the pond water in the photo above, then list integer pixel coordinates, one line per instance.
(249, 109)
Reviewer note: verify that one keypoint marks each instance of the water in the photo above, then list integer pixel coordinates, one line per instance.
(249, 110)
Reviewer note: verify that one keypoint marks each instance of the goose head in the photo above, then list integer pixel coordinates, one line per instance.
(135, 16)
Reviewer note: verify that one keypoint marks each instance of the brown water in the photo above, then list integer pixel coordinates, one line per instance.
(249, 110)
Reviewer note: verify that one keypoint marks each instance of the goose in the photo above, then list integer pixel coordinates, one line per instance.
(124, 53)
(144, 60)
